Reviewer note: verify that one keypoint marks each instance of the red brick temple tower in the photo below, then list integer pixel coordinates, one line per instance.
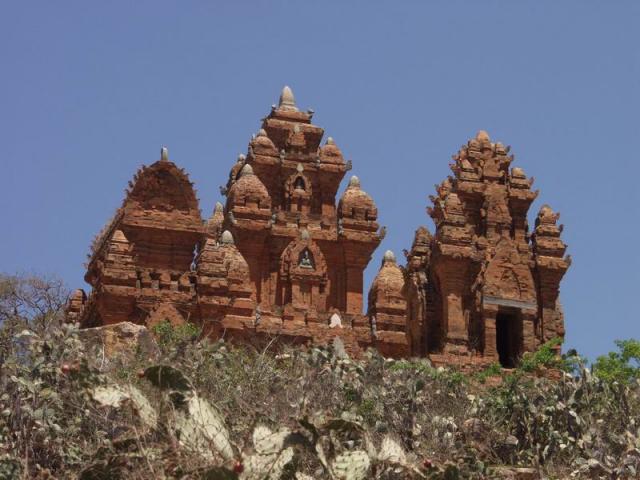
(483, 288)
(142, 267)
(306, 255)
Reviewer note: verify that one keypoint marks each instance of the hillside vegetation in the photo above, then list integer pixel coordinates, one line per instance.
(208, 410)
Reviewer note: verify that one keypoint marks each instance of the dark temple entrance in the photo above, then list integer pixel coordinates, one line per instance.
(508, 338)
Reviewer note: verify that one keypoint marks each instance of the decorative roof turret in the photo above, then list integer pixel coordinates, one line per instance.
(290, 129)
(330, 153)
(546, 237)
(418, 256)
(223, 261)
(248, 190)
(389, 281)
(261, 144)
(356, 203)
(214, 224)
(75, 306)
(235, 170)
(161, 193)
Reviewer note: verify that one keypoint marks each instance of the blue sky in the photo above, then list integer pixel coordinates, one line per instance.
(91, 90)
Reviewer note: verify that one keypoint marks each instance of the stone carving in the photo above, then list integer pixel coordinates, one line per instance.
(281, 258)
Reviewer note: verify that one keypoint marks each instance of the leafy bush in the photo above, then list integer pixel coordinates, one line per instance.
(546, 356)
(169, 336)
(493, 370)
(622, 366)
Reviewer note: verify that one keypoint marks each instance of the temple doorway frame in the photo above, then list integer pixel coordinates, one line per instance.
(508, 337)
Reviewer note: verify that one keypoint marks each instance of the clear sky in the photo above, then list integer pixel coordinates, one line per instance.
(89, 91)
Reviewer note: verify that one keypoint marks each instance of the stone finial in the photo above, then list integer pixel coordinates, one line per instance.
(389, 256)
(354, 182)
(246, 170)
(227, 238)
(330, 141)
(287, 101)
(483, 136)
(262, 133)
(164, 154)
(241, 158)
(547, 216)
(218, 208)
(517, 172)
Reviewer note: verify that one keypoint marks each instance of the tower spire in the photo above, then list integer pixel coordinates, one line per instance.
(287, 100)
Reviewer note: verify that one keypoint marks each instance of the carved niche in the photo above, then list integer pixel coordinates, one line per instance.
(303, 273)
(298, 192)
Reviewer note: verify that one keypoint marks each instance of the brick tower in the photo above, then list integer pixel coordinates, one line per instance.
(306, 255)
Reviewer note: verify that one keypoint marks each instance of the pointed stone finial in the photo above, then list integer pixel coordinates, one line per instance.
(517, 172)
(218, 208)
(389, 256)
(304, 234)
(262, 132)
(330, 141)
(354, 182)
(246, 170)
(164, 154)
(287, 100)
(227, 238)
(241, 158)
(482, 136)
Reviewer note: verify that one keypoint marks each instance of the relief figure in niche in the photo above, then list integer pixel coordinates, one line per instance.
(299, 184)
(306, 259)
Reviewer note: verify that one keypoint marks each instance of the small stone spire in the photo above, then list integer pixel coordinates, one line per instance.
(354, 182)
(227, 238)
(164, 154)
(389, 256)
(241, 158)
(287, 100)
(246, 170)
(482, 136)
(218, 208)
(262, 133)
(330, 141)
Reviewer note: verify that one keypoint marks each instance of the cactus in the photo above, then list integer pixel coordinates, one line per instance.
(352, 465)
(115, 396)
(392, 452)
(202, 428)
(270, 458)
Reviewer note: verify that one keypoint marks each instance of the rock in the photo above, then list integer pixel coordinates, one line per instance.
(123, 339)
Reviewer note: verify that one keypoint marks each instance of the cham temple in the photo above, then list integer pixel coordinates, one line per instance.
(282, 259)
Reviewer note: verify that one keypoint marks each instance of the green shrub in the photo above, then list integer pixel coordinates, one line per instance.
(169, 336)
(546, 356)
(622, 366)
(493, 370)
